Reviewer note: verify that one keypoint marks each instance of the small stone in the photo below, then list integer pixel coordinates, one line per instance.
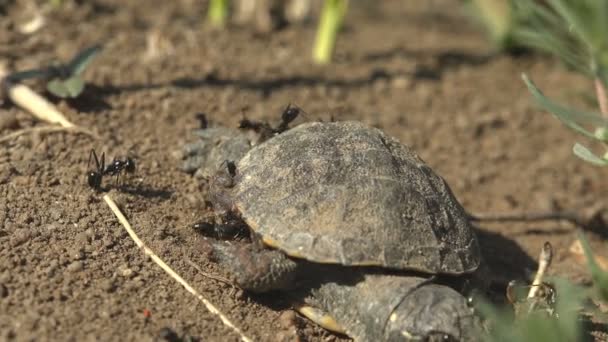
(20, 236)
(287, 319)
(51, 227)
(128, 273)
(8, 120)
(77, 253)
(82, 239)
(107, 285)
(401, 82)
(75, 266)
(135, 284)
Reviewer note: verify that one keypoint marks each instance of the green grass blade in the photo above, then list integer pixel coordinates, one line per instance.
(569, 116)
(34, 73)
(218, 12)
(79, 63)
(331, 19)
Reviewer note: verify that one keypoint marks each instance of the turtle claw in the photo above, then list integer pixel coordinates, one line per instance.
(256, 269)
(321, 318)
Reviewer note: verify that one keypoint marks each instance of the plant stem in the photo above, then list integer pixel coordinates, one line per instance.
(327, 31)
(600, 92)
(218, 12)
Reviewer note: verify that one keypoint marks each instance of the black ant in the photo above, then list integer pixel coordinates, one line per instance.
(231, 230)
(290, 113)
(115, 168)
(94, 177)
(202, 120)
(231, 166)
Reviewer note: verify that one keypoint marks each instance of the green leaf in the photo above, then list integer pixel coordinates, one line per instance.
(34, 73)
(77, 65)
(588, 156)
(71, 87)
(601, 133)
(569, 116)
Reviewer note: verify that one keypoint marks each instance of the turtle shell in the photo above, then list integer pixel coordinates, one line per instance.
(349, 194)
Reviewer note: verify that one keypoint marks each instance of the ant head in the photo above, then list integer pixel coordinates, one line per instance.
(231, 166)
(130, 165)
(94, 180)
(290, 113)
(246, 124)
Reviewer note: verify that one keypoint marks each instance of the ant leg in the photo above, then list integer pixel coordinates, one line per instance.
(103, 162)
(92, 154)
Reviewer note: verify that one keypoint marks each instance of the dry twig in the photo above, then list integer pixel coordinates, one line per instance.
(168, 269)
(37, 105)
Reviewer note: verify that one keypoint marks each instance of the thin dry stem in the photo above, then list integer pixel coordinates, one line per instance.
(600, 92)
(168, 269)
(37, 105)
(209, 275)
(544, 261)
(48, 129)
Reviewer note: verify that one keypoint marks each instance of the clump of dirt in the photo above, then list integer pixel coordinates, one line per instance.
(69, 271)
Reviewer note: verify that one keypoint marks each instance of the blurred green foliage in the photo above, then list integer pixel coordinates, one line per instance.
(330, 22)
(563, 324)
(218, 12)
(62, 80)
(577, 32)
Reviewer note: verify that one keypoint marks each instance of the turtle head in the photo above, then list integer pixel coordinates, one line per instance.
(433, 313)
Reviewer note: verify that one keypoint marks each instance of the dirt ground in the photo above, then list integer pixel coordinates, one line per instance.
(423, 73)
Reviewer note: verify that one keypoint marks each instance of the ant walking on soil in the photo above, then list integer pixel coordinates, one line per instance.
(115, 168)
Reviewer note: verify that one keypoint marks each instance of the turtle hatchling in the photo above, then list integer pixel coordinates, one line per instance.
(348, 222)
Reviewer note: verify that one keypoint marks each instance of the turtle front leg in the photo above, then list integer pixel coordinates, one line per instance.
(255, 268)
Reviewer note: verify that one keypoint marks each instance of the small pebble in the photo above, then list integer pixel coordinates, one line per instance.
(128, 273)
(77, 253)
(8, 121)
(107, 285)
(20, 236)
(75, 266)
(287, 319)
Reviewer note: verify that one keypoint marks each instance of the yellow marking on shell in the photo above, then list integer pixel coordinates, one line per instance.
(275, 244)
(321, 318)
(393, 317)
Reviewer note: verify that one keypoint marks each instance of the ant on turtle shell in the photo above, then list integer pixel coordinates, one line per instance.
(290, 113)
